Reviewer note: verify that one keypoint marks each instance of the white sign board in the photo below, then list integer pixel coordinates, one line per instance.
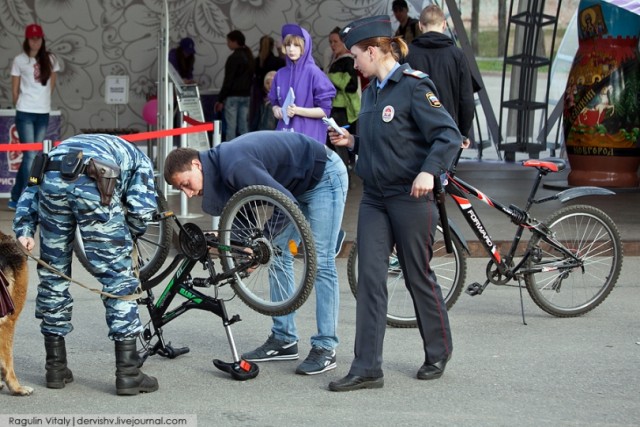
(116, 90)
(189, 103)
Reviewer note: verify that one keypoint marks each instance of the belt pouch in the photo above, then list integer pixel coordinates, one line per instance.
(71, 165)
(38, 167)
(106, 176)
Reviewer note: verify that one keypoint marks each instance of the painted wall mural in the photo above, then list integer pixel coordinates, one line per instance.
(601, 120)
(95, 39)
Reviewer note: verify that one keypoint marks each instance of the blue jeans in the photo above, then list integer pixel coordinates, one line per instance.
(323, 207)
(236, 115)
(32, 127)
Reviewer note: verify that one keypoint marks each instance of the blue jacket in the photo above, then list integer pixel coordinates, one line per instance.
(135, 186)
(290, 162)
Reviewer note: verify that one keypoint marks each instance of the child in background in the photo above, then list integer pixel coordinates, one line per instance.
(313, 90)
(267, 119)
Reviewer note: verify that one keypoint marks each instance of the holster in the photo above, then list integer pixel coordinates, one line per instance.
(106, 175)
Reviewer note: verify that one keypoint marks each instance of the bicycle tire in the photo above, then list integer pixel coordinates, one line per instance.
(450, 269)
(594, 238)
(153, 247)
(261, 215)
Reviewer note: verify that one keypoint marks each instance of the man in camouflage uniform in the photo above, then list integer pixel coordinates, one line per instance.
(60, 204)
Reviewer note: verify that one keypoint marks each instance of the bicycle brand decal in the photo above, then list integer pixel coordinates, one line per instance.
(185, 293)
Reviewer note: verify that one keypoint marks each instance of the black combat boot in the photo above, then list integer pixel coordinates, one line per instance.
(56, 365)
(129, 378)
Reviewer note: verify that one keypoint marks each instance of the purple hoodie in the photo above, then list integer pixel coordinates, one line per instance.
(311, 87)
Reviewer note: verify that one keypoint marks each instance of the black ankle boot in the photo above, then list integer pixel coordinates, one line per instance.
(129, 378)
(56, 364)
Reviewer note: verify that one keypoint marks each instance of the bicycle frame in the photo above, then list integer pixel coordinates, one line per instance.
(459, 189)
(181, 283)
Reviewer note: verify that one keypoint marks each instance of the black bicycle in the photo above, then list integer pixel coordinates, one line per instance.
(266, 254)
(570, 265)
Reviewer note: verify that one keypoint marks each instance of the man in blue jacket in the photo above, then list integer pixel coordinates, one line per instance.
(316, 179)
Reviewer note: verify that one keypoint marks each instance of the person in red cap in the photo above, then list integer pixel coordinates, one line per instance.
(33, 78)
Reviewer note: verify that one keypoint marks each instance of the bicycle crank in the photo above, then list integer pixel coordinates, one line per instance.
(495, 276)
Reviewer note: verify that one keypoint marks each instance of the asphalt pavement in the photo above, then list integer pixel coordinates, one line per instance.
(551, 371)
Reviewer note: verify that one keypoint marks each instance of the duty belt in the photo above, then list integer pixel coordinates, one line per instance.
(55, 165)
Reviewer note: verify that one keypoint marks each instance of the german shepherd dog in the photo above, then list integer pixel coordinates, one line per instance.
(13, 268)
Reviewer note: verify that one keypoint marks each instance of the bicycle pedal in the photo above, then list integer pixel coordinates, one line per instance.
(474, 289)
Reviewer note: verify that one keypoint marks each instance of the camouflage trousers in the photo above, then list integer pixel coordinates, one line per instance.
(63, 207)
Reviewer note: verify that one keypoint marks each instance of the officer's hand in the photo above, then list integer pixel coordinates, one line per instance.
(466, 143)
(27, 242)
(340, 140)
(422, 185)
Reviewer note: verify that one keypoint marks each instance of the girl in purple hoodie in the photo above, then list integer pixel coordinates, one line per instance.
(313, 91)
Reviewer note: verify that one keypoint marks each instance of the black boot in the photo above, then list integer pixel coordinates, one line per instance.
(129, 378)
(57, 372)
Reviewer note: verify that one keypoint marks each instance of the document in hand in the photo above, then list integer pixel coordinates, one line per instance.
(290, 99)
(329, 121)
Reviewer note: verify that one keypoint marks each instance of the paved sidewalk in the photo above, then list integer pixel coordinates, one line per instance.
(556, 372)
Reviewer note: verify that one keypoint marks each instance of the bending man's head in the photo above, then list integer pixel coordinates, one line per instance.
(183, 170)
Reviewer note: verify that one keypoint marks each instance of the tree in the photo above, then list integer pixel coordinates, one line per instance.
(502, 27)
(475, 16)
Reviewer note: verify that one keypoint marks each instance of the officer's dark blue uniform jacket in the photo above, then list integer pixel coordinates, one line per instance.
(393, 148)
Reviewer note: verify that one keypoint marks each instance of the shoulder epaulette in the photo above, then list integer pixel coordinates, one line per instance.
(415, 73)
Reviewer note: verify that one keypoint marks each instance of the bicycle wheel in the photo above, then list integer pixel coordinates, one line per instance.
(567, 288)
(264, 219)
(450, 269)
(153, 247)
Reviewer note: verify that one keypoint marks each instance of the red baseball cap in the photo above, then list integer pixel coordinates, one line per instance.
(33, 30)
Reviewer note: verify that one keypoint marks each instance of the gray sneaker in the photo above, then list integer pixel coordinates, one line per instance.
(273, 349)
(318, 361)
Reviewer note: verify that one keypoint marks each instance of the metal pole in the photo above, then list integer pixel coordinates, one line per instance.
(217, 140)
(46, 145)
(184, 201)
(165, 96)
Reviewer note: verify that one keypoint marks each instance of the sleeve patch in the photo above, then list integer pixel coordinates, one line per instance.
(433, 100)
(415, 73)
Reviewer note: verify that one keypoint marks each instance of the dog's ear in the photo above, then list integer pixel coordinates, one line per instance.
(11, 255)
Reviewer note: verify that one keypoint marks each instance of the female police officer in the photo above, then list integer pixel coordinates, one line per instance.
(406, 138)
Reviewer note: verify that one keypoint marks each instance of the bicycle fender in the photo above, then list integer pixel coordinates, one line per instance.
(573, 193)
(456, 230)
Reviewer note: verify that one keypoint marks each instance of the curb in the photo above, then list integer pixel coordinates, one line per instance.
(476, 250)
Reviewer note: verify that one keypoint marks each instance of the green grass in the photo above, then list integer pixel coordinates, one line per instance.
(487, 57)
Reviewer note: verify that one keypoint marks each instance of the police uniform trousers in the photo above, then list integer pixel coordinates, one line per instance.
(409, 224)
(65, 205)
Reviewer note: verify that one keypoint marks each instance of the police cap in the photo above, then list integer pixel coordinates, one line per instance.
(366, 28)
